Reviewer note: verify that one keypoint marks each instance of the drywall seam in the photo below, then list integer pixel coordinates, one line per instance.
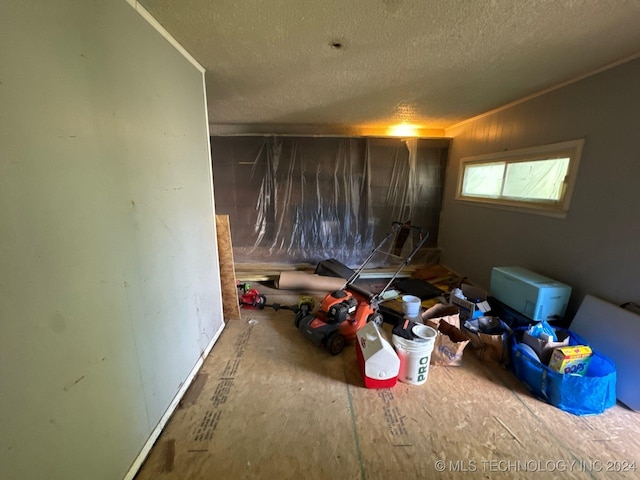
(161, 30)
(137, 463)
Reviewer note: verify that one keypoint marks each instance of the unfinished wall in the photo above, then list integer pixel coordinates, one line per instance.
(306, 199)
(109, 286)
(595, 248)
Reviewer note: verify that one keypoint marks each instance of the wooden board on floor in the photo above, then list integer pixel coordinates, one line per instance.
(230, 303)
(246, 273)
(274, 406)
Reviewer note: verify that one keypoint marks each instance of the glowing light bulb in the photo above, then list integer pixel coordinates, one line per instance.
(403, 130)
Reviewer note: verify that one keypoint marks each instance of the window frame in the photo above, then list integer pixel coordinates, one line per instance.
(571, 149)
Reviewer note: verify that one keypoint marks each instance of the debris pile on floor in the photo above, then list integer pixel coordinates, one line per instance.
(412, 323)
(408, 324)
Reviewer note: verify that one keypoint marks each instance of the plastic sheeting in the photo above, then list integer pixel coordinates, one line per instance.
(306, 199)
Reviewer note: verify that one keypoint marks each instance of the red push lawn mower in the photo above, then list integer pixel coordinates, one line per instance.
(343, 312)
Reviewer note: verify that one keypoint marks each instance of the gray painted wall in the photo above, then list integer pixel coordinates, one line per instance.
(595, 248)
(109, 284)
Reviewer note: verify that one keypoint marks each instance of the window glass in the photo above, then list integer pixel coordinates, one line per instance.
(483, 180)
(538, 179)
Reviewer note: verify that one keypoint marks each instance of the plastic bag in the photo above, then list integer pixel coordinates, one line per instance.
(581, 395)
(543, 331)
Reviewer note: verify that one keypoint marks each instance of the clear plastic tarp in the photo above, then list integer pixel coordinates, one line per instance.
(307, 199)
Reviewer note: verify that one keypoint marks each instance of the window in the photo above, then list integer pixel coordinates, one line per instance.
(536, 180)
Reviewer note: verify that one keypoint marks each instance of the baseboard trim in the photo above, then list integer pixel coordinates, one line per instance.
(172, 406)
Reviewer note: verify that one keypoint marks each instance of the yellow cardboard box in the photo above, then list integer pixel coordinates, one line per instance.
(571, 360)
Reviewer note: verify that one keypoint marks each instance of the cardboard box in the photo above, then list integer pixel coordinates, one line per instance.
(543, 348)
(571, 360)
(474, 305)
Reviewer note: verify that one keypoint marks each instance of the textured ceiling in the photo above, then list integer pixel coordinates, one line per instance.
(271, 66)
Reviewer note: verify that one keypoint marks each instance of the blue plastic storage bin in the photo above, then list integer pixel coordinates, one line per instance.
(588, 395)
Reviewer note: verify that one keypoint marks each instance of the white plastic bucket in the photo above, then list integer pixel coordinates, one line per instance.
(415, 356)
(411, 306)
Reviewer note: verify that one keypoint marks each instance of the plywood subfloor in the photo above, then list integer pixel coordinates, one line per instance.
(268, 405)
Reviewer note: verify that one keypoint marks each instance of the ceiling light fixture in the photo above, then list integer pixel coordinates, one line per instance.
(403, 130)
